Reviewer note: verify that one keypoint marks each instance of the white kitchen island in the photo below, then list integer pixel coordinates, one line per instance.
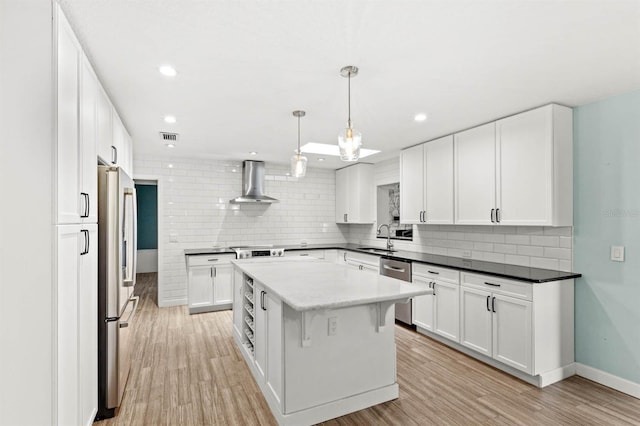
(317, 336)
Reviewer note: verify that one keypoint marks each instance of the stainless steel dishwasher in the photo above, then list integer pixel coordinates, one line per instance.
(402, 271)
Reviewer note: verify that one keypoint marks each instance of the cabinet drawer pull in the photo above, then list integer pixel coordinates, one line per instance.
(212, 260)
(433, 272)
(393, 268)
(492, 284)
(304, 254)
(85, 197)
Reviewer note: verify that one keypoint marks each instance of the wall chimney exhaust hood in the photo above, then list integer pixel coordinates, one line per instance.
(253, 184)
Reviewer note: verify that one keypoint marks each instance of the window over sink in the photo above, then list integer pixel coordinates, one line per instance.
(388, 211)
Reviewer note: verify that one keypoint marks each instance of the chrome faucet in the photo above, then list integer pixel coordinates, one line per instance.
(389, 243)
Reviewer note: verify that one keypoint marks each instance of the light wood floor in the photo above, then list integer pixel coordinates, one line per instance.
(186, 370)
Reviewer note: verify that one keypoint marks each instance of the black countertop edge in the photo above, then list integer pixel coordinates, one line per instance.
(210, 250)
(503, 270)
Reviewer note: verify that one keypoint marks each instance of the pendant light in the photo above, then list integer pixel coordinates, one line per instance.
(349, 140)
(298, 161)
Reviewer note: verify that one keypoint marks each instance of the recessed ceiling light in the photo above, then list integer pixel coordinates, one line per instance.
(333, 150)
(233, 170)
(420, 117)
(167, 70)
(288, 174)
(170, 145)
(170, 166)
(169, 119)
(253, 153)
(320, 159)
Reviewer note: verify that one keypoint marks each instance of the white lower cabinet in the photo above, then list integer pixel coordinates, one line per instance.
(506, 323)
(437, 312)
(209, 282)
(258, 325)
(77, 328)
(497, 326)
(362, 261)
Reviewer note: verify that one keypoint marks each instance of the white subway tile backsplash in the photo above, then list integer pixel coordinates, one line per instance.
(195, 209)
(546, 241)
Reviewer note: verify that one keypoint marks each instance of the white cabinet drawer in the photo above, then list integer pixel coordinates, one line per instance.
(210, 259)
(436, 272)
(317, 254)
(364, 258)
(496, 285)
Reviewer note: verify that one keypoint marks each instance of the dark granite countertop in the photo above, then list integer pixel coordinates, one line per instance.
(521, 273)
(515, 272)
(209, 250)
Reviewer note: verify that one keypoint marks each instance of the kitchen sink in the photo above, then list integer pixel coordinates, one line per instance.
(376, 250)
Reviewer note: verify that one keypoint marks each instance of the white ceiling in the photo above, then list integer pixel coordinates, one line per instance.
(244, 66)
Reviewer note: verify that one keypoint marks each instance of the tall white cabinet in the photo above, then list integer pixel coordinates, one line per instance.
(76, 375)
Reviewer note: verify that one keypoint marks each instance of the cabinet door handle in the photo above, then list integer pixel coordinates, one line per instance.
(492, 215)
(498, 215)
(86, 242)
(114, 155)
(345, 256)
(215, 272)
(262, 293)
(434, 288)
(211, 272)
(493, 304)
(85, 197)
(492, 284)
(346, 217)
(88, 205)
(488, 309)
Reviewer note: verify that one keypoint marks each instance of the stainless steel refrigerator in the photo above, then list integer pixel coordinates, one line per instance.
(116, 281)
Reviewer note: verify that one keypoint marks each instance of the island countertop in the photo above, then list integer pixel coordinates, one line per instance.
(308, 284)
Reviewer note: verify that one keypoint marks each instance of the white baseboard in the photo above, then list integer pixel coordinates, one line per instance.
(609, 380)
(165, 303)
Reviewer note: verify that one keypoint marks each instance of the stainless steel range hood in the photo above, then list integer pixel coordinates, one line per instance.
(253, 184)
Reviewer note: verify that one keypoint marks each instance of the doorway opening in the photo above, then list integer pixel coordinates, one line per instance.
(147, 251)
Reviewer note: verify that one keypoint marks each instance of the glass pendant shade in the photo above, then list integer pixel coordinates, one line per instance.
(349, 142)
(298, 165)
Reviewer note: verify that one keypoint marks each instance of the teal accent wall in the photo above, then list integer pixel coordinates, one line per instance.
(607, 212)
(147, 216)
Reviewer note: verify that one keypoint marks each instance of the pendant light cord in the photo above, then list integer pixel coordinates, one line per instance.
(349, 97)
(298, 136)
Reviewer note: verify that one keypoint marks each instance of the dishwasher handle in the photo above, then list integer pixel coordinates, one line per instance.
(393, 268)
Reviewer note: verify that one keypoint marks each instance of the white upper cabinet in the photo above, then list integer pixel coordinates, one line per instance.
(117, 139)
(88, 142)
(475, 175)
(69, 204)
(412, 184)
(354, 194)
(516, 171)
(426, 183)
(535, 181)
(105, 129)
(438, 160)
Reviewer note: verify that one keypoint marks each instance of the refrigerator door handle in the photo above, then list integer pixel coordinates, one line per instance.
(130, 238)
(135, 300)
